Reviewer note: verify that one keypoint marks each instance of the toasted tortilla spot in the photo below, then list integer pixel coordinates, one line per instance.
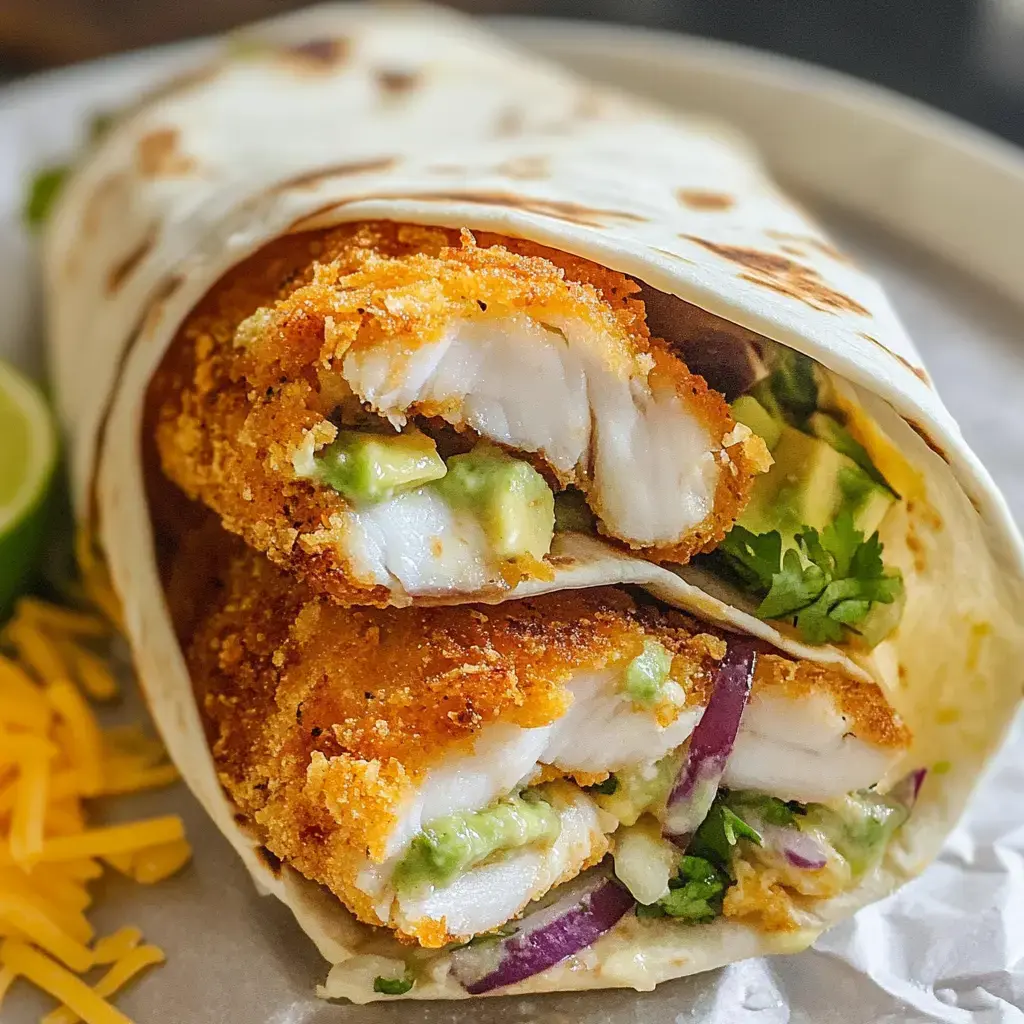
(811, 242)
(121, 271)
(700, 199)
(784, 275)
(157, 155)
(926, 437)
(354, 167)
(917, 371)
(107, 190)
(510, 122)
(394, 83)
(525, 168)
(320, 54)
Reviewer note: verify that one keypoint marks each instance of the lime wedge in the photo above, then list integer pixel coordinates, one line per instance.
(28, 456)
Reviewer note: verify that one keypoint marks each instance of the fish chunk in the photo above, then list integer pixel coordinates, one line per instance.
(340, 733)
(377, 326)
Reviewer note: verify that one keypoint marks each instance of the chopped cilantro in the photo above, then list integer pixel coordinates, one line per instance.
(392, 986)
(825, 585)
(719, 832)
(43, 191)
(695, 894)
(606, 788)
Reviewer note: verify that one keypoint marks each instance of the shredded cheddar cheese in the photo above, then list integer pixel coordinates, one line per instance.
(54, 756)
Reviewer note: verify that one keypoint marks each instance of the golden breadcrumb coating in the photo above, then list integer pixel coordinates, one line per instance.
(321, 718)
(229, 418)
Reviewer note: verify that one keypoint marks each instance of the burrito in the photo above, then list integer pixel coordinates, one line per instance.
(457, 764)
(542, 550)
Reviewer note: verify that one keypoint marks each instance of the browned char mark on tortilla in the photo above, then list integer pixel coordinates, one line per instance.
(123, 269)
(809, 242)
(157, 155)
(917, 371)
(702, 199)
(395, 83)
(319, 54)
(511, 121)
(783, 275)
(926, 437)
(310, 179)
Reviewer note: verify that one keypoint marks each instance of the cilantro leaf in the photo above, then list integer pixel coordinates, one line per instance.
(824, 586)
(794, 586)
(605, 788)
(718, 833)
(753, 557)
(392, 986)
(695, 894)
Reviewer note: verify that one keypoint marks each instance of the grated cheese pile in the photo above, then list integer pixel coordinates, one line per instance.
(53, 756)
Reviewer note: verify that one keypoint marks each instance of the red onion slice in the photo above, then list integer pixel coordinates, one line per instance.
(591, 906)
(799, 849)
(906, 790)
(711, 743)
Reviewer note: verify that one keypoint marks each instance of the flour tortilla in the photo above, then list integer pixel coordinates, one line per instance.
(413, 114)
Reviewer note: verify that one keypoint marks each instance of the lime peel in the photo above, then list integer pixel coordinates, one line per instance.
(28, 457)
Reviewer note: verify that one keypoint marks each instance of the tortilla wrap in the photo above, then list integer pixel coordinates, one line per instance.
(414, 115)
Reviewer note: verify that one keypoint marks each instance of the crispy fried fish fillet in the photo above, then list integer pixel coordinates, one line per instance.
(544, 353)
(339, 733)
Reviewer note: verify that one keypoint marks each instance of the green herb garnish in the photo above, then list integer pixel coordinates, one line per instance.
(606, 788)
(695, 894)
(392, 986)
(826, 584)
(719, 832)
(42, 193)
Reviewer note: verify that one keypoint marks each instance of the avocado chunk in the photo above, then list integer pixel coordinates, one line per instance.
(751, 413)
(832, 432)
(508, 496)
(641, 788)
(365, 467)
(859, 826)
(809, 485)
(647, 674)
(452, 845)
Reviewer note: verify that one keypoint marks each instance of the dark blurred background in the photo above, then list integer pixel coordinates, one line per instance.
(965, 56)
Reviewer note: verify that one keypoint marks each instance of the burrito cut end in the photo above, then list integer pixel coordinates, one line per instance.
(398, 414)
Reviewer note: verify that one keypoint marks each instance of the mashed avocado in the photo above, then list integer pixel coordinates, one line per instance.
(641, 788)
(451, 845)
(510, 498)
(365, 467)
(647, 674)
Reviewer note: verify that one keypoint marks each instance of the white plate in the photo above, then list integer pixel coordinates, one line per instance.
(936, 210)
